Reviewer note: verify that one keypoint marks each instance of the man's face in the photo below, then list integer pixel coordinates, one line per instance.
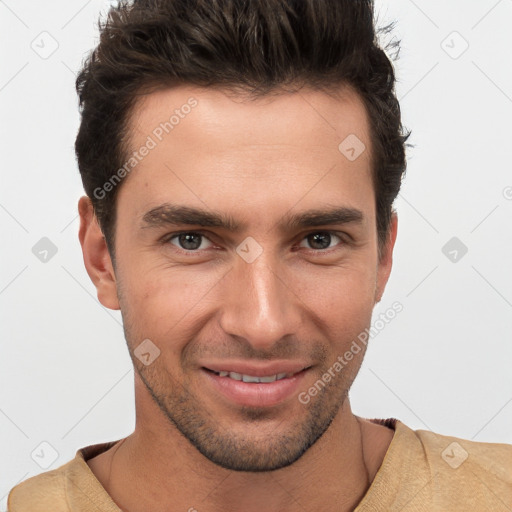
(268, 298)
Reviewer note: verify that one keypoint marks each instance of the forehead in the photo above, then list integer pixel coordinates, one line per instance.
(305, 116)
(206, 145)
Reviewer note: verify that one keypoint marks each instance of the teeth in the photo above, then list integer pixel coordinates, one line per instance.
(252, 378)
(249, 378)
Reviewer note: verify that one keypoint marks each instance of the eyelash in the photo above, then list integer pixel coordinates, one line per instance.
(342, 236)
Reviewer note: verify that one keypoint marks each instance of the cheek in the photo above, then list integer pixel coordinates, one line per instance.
(340, 301)
(160, 307)
(348, 285)
(164, 299)
(345, 290)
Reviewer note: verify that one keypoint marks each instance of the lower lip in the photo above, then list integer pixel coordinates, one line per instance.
(255, 394)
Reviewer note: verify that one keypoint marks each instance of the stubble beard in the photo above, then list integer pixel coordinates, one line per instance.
(230, 449)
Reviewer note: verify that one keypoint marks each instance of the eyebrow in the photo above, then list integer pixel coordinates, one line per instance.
(169, 214)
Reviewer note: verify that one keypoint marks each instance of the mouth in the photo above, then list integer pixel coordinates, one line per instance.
(265, 389)
(264, 379)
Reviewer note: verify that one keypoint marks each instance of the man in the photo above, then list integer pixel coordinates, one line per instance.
(240, 160)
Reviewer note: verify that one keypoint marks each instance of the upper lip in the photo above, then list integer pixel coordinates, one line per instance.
(257, 370)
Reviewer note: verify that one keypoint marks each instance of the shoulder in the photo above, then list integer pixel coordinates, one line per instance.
(71, 486)
(423, 471)
(43, 492)
(467, 474)
(450, 453)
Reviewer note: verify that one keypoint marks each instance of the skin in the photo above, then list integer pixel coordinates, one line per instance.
(191, 447)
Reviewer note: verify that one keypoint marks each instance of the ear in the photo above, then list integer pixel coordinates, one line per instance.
(96, 256)
(386, 258)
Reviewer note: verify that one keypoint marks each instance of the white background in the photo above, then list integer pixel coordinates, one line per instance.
(443, 364)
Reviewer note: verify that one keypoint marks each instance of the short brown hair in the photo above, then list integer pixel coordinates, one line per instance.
(255, 46)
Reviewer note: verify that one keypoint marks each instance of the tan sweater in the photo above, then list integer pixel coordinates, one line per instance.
(422, 471)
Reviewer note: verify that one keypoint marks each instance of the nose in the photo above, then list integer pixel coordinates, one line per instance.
(260, 304)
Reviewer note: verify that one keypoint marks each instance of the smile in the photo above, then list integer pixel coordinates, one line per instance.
(253, 378)
(245, 389)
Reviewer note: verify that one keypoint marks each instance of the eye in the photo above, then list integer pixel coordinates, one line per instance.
(188, 241)
(191, 241)
(321, 240)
